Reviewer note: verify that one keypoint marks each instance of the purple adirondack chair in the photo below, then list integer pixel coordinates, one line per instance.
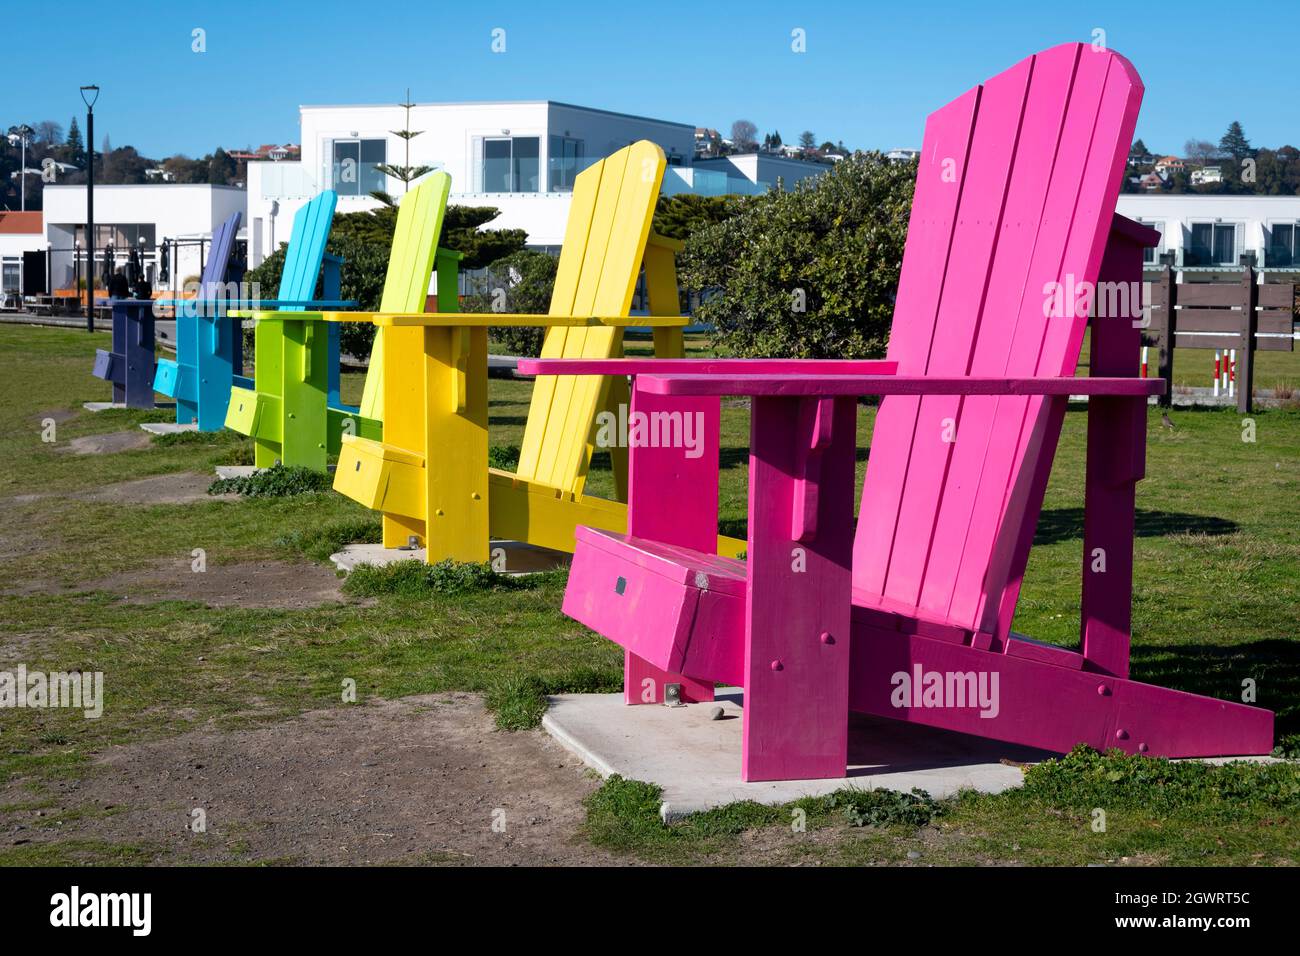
(130, 363)
(911, 618)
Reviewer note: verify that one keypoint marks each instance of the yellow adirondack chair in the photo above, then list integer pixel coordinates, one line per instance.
(429, 475)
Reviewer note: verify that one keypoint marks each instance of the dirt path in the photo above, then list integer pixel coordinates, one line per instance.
(179, 488)
(281, 584)
(107, 444)
(415, 781)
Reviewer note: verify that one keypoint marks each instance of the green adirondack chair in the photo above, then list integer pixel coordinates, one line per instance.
(288, 412)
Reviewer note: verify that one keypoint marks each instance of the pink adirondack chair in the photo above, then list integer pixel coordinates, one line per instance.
(911, 619)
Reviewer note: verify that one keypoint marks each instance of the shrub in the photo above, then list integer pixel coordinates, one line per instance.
(364, 239)
(505, 457)
(365, 264)
(521, 282)
(417, 579)
(809, 273)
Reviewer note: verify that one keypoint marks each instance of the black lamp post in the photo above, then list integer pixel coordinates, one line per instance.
(89, 94)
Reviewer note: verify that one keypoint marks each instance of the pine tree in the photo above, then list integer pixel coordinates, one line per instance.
(76, 149)
(221, 168)
(807, 140)
(1235, 144)
(408, 172)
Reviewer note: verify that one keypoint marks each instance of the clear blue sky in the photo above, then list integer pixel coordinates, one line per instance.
(870, 74)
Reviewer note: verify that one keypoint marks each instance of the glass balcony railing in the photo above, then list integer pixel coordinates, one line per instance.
(288, 180)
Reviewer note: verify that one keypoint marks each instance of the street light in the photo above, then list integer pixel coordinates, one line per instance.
(89, 94)
(22, 134)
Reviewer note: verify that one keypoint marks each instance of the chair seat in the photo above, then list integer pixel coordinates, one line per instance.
(110, 366)
(381, 476)
(684, 611)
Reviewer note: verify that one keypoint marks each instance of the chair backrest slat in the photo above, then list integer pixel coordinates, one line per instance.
(1016, 190)
(406, 284)
(604, 245)
(311, 230)
(219, 250)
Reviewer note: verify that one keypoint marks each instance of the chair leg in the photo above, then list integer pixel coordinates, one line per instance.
(687, 476)
(797, 608)
(643, 683)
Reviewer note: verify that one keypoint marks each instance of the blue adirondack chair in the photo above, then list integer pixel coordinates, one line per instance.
(129, 365)
(209, 353)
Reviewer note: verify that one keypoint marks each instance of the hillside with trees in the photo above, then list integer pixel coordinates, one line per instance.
(63, 158)
(1232, 166)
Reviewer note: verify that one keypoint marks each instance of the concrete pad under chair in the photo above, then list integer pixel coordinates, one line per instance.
(519, 558)
(168, 428)
(107, 406)
(696, 759)
(237, 471)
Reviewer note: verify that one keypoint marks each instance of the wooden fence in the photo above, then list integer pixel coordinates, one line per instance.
(1242, 315)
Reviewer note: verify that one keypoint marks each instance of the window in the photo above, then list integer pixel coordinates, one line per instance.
(1213, 244)
(509, 164)
(123, 237)
(1151, 255)
(565, 162)
(1283, 245)
(9, 274)
(355, 169)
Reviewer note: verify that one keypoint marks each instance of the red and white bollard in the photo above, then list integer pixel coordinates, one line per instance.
(1232, 373)
(1217, 372)
(1144, 361)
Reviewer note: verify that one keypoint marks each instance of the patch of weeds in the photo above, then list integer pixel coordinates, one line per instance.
(416, 579)
(274, 482)
(1084, 779)
(519, 701)
(319, 543)
(224, 437)
(133, 416)
(623, 815)
(505, 457)
(78, 853)
(882, 808)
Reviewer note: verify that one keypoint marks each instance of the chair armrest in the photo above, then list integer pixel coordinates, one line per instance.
(855, 385)
(482, 319)
(237, 308)
(673, 366)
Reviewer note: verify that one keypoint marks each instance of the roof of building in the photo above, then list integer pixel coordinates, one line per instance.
(21, 223)
(571, 106)
(765, 157)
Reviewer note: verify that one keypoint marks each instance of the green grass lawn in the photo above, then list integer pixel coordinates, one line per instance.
(1216, 600)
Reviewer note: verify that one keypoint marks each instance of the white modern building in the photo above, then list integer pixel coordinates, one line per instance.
(762, 171)
(902, 155)
(140, 217)
(520, 157)
(20, 232)
(1208, 232)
